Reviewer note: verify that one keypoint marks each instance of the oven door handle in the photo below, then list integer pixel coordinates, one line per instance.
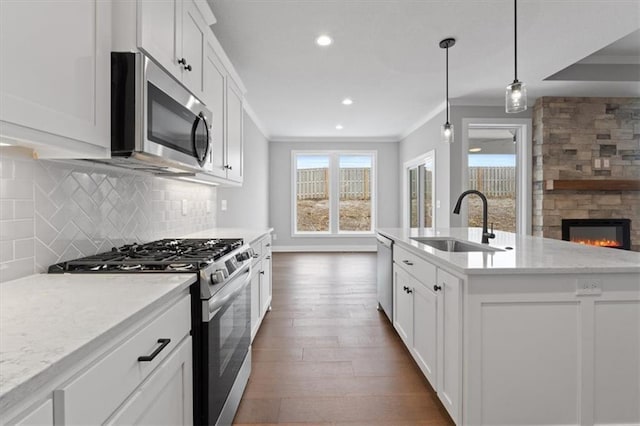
(216, 303)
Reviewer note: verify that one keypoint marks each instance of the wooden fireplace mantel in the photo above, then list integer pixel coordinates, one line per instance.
(593, 185)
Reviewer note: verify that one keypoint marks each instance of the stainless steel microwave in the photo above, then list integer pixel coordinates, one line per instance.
(157, 125)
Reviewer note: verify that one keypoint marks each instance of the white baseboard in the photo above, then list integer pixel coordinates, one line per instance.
(331, 248)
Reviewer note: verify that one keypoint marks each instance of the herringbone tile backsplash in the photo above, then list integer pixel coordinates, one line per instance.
(53, 211)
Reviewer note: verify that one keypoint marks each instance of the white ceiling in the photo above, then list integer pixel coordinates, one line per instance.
(386, 57)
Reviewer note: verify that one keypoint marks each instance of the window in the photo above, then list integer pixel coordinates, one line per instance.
(334, 192)
(419, 175)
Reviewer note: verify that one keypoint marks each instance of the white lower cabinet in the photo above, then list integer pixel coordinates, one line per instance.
(146, 378)
(261, 283)
(165, 398)
(255, 300)
(427, 318)
(40, 416)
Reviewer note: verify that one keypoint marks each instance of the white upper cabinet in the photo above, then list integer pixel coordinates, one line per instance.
(160, 24)
(55, 76)
(173, 33)
(235, 115)
(214, 88)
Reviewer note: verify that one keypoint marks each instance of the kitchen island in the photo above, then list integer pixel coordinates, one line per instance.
(527, 331)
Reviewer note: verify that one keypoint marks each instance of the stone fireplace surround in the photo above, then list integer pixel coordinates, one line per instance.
(572, 138)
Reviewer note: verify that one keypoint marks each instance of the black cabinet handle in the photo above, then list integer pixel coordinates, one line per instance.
(406, 262)
(436, 287)
(268, 257)
(261, 272)
(163, 344)
(405, 288)
(228, 167)
(188, 68)
(409, 290)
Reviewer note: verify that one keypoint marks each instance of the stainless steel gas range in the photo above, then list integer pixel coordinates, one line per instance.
(221, 310)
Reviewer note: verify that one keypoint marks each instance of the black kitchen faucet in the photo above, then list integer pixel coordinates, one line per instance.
(485, 232)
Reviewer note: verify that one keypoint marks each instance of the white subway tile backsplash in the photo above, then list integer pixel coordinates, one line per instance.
(16, 229)
(24, 248)
(16, 189)
(6, 251)
(6, 209)
(53, 211)
(24, 209)
(16, 269)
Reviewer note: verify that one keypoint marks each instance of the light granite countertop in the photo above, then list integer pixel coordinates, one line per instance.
(249, 235)
(527, 254)
(49, 322)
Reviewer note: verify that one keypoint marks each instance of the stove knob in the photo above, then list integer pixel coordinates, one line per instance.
(217, 277)
(242, 256)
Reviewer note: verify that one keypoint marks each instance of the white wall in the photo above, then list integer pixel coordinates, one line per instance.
(388, 198)
(458, 113)
(420, 141)
(248, 206)
(449, 158)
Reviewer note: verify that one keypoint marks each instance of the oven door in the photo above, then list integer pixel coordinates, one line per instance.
(226, 339)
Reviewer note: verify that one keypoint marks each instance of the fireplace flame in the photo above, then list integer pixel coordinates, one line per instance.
(599, 243)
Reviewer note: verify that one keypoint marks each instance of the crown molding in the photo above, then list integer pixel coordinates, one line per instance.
(354, 139)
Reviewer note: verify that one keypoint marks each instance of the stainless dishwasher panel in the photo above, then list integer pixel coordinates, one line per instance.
(385, 275)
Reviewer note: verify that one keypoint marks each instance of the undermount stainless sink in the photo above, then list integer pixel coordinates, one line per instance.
(453, 245)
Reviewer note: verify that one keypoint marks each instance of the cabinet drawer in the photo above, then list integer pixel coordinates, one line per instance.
(96, 393)
(416, 266)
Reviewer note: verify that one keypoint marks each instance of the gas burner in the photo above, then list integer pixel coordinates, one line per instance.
(130, 267)
(181, 266)
(95, 267)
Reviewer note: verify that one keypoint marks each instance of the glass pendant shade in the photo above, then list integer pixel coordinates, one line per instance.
(446, 132)
(516, 97)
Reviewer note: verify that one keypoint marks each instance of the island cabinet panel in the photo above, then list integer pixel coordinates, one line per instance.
(403, 305)
(617, 362)
(449, 342)
(425, 335)
(539, 349)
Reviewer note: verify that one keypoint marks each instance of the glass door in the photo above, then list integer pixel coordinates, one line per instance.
(421, 194)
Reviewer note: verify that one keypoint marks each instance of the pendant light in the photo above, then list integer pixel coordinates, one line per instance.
(447, 128)
(516, 95)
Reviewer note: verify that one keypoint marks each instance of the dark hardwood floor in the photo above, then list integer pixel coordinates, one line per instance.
(325, 356)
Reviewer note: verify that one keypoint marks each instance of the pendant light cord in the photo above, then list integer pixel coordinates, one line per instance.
(447, 85)
(515, 39)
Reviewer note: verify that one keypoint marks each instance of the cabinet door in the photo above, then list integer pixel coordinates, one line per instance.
(166, 397)
(160, 31)
(234, 132)
(425, 309)
(265, 285)
(255, 300)
(403, 305)
(193, 42)
(449, 343)
(55, 74)
(214, 83)
(41, 416)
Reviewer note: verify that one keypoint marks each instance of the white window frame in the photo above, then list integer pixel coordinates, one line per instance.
(407, 166)
(334, 191)
(524, 166)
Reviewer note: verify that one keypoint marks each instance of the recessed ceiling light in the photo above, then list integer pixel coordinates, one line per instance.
(339, 127)
(347, 101)
(324, 40)
(475, 149)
